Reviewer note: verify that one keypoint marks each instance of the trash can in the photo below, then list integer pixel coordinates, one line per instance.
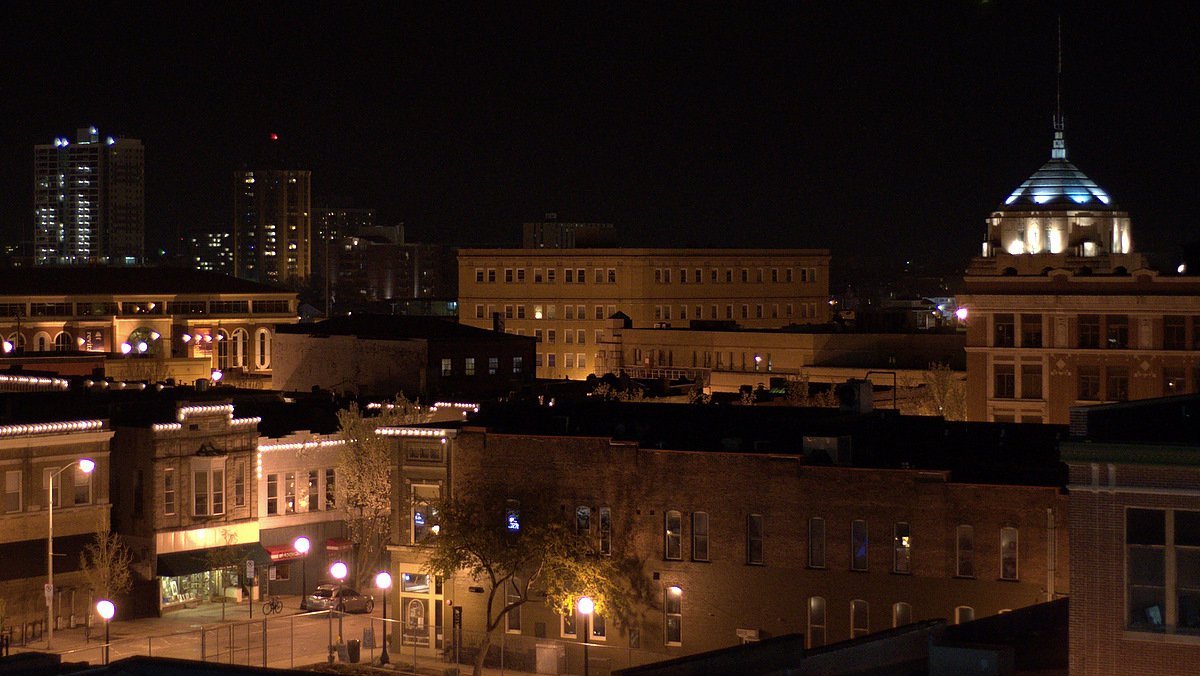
(353, 649)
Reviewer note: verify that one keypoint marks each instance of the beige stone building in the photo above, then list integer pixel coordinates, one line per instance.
(1061, 311)
(564, 297)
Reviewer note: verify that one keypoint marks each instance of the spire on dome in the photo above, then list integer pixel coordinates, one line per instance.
(1059, 150)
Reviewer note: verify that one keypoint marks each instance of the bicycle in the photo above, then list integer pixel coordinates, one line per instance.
(272, 606)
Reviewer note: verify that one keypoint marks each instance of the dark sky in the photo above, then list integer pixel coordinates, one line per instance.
(877, 129)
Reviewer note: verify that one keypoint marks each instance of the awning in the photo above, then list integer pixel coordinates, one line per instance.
(338, 545)
(283, 552)
(200, 560)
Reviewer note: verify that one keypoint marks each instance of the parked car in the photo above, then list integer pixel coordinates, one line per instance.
(339, 598)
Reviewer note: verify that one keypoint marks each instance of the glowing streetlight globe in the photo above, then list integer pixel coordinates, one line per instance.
(106, 609)
(586, 605)
(87, 465)
(338, 570)
(301, 544)
(383, 580)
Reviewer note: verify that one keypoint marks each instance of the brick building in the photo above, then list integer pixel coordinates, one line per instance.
(1135, 537)
(754, 522)
(380, 355)
(564, 297)
(35, 450)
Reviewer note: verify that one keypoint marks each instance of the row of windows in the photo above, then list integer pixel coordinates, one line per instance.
(577, 336)
(550, 276)
(208, 490)
(860, 618)
(78, 487)
(143, 307)
(569, 360)
(1163, 570)
(1179, 332)
(469, 369)
(807, 311)
(901, 544)
(760, 275)
(546, 311)
(307, 491)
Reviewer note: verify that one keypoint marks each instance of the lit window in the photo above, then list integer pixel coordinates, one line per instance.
(447, 369)
(963, 614)
(902, 548)
(858, 545)
(469, 366)
(672, 534)
(512, 515)
(673, 608)
(567, 626)
(272, 494)
(289, 493)
(493, 365)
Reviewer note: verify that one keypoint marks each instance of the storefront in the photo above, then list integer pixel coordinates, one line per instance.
(421, 610)
(189, 578)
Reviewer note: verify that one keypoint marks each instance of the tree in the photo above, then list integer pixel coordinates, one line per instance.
(224, 560)
(514, 550)
(364, 479)
(944, 393)
(106, 564)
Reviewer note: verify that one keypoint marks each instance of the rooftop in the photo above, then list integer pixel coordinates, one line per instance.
(1059, 184)
(397, 327)
(105, 281)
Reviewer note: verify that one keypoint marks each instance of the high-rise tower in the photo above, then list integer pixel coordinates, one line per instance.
(89, 200)
(272, 225)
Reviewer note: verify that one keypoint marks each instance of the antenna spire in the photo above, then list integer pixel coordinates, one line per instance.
(1059, 149)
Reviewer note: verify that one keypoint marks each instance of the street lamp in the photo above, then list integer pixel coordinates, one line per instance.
(106, 609)
(86, 465)
(586, 606)
(384, 581)
(302, 545)
(338, 571)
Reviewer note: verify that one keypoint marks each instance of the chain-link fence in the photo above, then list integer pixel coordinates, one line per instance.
(319, 637)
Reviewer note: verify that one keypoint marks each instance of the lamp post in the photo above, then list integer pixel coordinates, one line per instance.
(338, 571)
(384, 581)
(86, 465)
(106, 609)
(302, 545)
(586, 606)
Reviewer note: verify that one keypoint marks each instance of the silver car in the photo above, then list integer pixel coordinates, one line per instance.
(338, 597)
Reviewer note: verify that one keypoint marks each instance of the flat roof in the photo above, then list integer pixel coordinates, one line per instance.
(399, 327)
(136, 281)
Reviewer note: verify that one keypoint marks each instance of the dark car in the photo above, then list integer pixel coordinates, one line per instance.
(339, 598)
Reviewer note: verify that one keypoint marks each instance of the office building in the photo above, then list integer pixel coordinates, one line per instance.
(1060, 311)
(89, 200)
(550, 233)
(564, 297)
(272, 225)
(211, 251)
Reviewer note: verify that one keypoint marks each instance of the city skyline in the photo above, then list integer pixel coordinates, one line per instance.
(873, 131)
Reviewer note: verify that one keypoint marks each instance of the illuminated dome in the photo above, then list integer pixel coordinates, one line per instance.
(1057, 184)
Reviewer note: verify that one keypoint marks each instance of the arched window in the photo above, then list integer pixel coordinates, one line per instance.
(241, 347)
(963, 614)
(816, 621)
(860, 624)
(223, 349)
(16, 341)
(63, 343)
(901, 614)
(262, 352)
(41, 342)
(143, 340)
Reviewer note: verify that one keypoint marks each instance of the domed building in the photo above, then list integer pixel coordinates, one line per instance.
(1058, 217)
(1061, 312)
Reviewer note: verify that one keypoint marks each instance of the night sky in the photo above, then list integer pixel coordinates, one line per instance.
(877, 129)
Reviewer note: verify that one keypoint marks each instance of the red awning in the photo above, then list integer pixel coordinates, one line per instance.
(283, 552)
(338, 545)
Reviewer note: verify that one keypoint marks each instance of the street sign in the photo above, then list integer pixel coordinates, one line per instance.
(49, 590)
(249, 569)
(458, 617)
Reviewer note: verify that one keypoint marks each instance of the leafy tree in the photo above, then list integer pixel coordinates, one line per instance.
(364, 479)
(507, 545)
(225, 561)
(106, 564)
(944, 393)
